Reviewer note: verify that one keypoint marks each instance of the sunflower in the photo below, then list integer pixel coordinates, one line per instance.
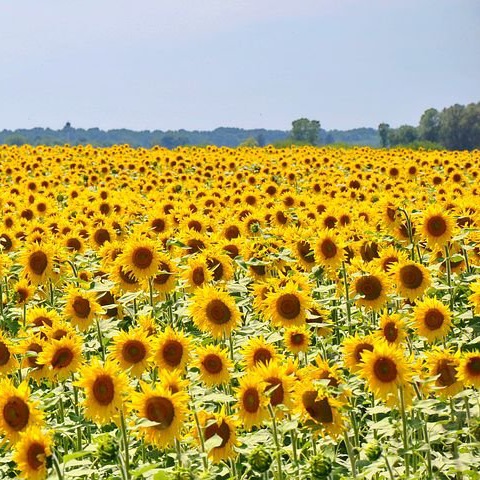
(474, 298)
(32, 453)
(392, 329)
(166, 277)
(132, 350)
(17, 411)
(389, 257)
(105, 385)
(8, 362)
(81, 307)
(220, 264)
(214, 364)
(286, 306)
(38, 262)
(41, 318)
(469, 369)
(223, 426)
(196, 273)
(172, 349)
(61, 357)
(432, 319)
(279, 384)
(329, 250)
(257, 351)
(437, 226)
(140, 258)
(251, 401)
(412, 279)
(319, 410)
(23, 291)
(444, 364)
(124, 280)
(370, 289)
(31, 348)
(172, 380)
(296, 339)
(386, 370)
(166, 412)
(214, 311)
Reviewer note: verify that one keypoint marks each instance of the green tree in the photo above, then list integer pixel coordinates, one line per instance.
(451, 127)
(429, 128)
(403, 135)
(383, 131)
(305, 130)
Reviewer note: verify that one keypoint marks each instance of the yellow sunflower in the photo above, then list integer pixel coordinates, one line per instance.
(278, 383)
(140, 258)
(123, 279)
(370, 289)
(391, 329)
(251, 401)
(329, 250)
(287, 306)
(104, 385)
(214, 311)
(296, 339)
(32, 453)
(30, 348)
(437, 226)
(23, 291)
(165, 411)
(41, 318)
(165, 279)
(8, 361)
(38, 262)
(432, 319)
(444, 364)
(469, 369)
(81, 307)
(132, 350)
(474, 298)
(257, 351)
(412, 279)
(17, 411)
(196, 273)
(172, 380)
(214, 364)
(172, 349)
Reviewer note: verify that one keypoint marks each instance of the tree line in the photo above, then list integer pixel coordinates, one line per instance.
(454, 128)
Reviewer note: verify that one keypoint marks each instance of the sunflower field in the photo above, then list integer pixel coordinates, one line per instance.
(252, 313)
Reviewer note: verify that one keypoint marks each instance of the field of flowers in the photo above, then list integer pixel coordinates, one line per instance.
(215, 313)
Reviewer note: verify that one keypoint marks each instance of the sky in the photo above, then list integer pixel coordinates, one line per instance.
(202, 64)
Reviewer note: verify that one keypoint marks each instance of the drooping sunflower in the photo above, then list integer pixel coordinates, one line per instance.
(214, 311)
(132, 350)
(61, 357)
(32, 453)
(214, 364)
(257, 351)
(8, 361)
(412, 279)
(432, 319)
(172, 349)
(251, 400)
(371, 289)
(329, 250)
(391, 328)
(296, 339)
(437, 226)
(81, 307)
(140, 258)
(167, 411)
(38, 262)
(17, 411)
(104, 385)
(386, 369)
(444, 364)
(287, 306)
(469, 369)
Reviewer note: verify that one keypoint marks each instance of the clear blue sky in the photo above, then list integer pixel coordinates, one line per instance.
(200, 64)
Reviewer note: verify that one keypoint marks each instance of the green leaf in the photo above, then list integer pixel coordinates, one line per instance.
(213, 442)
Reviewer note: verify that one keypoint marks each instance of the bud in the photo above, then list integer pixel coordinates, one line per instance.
(260, 460)
(107, 449)
(182, 473)
(373, 450)
(320, 467)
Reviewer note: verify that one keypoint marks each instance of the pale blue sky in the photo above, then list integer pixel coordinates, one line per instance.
(200, 64)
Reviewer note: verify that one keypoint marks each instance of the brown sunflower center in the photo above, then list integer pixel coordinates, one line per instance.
(434, 319)
(447, 372)
(473, 366)
(32, 359)
(217, 312)
(212, 363)
(59, 334)
(385, 369)
(158, 225)
(328, 248)
(198, 276)
(232, 232)
(390, 332)
(62, 358)
(388, 262)
(38, 262)
(133, 351)
(22, 294)
(127, 277)
(222, 430)
(172, 352)
(216, 267)
(251, 400)
(101, 236)
(411, 276)
(16, 413)
(162, 278)
(262, 355)
(74, 244)
(4, 354)
(305, 251)
(436, 226)
(297, 339)
(160, 410)
(81, 306)
(319, 410)
(369, 287)
(277, 392)
(288, 306)
(142, 257)
(103, 389)
(35, 455)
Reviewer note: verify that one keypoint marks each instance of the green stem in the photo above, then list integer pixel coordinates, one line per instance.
(277, 443)
(125, 444)
(351, 456)
(1, 298)
(449, 277)
(56, 466)
(202, 441)
(100, 340)
(404, 431)
(347, 298)
(178, 449)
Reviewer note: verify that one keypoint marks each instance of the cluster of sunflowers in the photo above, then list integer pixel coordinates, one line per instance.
(239, 313)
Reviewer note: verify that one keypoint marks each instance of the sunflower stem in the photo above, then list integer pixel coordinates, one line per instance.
(52, 296)
(404, 432)
(56, 466)
(100, 340)
(277, 443)
(202, 441)
(389, 468)
(125, 444)
(77, 413)
(347, 298)
(24, 314)
(178, 449)
(1, 298)
(427, 440)
(449, 277)
(150, 291)
(351, 456)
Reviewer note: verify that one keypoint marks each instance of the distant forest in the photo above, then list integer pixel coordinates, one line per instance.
(230, 137)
